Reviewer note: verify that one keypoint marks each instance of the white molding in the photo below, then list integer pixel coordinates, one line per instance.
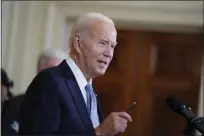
(6, 22)
(194, 7)
(64, 33)
(27, 44)
(178, 16)
(49, 25)
(13, 37)
(0, 42)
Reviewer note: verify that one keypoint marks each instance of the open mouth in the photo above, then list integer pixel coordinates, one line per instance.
(102, 62)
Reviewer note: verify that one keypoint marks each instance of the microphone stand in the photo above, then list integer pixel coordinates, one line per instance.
(193, 124)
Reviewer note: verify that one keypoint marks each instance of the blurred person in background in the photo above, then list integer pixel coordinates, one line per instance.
(8, 117)
(6, 84)
(60, 100)
(47, 58)
(50, 58)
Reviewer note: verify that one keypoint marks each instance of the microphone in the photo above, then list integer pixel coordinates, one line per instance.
(194, 122)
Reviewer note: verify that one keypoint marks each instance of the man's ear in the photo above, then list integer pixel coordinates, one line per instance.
(77, 43)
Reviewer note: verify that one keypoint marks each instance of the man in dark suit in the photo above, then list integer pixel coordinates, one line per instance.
(61, 100)
(10, 103)
(9, 118)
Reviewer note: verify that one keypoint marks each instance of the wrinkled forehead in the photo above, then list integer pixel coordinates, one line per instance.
(102, 30)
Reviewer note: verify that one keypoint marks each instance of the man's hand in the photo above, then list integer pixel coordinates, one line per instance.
(115, 123)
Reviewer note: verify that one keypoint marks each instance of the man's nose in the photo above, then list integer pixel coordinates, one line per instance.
(108, 53)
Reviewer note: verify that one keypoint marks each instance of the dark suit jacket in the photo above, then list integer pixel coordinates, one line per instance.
(9, 114)
(54, 104)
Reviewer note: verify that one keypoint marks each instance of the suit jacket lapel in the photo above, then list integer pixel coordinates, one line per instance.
(79, 101)
(100, 113)
(76, 93)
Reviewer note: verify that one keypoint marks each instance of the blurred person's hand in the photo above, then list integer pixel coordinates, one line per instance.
(115, 123)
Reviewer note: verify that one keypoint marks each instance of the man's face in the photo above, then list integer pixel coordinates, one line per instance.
(96, 49)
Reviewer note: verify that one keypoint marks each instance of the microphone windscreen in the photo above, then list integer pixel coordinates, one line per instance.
(174, 103)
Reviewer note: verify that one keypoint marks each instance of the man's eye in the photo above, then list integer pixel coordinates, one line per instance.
(112, 46)
(103, 43)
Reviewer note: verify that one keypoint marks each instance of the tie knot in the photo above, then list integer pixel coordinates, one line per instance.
(89, 88)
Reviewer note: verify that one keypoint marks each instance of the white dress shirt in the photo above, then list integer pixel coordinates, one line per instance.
(82, 82)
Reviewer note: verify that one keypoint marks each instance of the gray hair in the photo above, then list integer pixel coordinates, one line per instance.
(49, 54)
(82, 23)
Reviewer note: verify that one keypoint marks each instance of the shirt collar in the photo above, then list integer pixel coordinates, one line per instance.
(80, 78)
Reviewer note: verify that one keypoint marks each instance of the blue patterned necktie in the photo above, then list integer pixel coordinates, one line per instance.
(89, 91)
(92, 105)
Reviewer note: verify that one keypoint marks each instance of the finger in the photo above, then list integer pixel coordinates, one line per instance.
(119, 126)
(125, 115)
(122, 120)
(119, 120)
(122, 127)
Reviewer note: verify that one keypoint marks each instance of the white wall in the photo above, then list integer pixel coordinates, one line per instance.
(201, 100)
(28, 27)
(186, 16)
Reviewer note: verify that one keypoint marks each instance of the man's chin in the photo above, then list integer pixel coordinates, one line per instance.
(101, 72)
